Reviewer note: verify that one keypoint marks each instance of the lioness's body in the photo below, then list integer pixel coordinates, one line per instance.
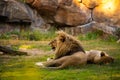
(76, 59)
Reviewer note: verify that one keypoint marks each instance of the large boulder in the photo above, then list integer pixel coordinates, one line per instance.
(45, 7)
(73, 15)
(2, 7)
(17, 14)
(68, 12)
(14, 10)
(3, 16)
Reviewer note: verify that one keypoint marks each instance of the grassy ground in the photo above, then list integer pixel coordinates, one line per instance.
(23, 67)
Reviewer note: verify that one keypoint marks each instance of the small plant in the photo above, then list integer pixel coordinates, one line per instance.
(24, 35)
(117, 33)
(91, 35)
(16, 32)
(111, 38)
(97, 35)
(15, 47)
(37, 35)
(4, 36)
(8, 35)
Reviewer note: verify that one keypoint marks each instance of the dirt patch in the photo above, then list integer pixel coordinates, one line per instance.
(35, 52)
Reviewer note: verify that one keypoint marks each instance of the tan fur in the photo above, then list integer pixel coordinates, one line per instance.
(65, 45)
(94, 56)
(76, 59)
(118, 41)
(98, 57)
(53, 44)
(68, 52)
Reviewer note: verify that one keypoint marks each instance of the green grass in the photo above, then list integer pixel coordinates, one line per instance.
(35, 35)
(23, 67)
(97, 35)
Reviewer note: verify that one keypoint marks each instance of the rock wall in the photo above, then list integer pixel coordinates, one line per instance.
(17, 15)
(102, 14)
(80, 16)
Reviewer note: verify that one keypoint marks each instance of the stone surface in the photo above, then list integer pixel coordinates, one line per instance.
(2, 8)
(78, 14)
(91, 27)
(73, 15)
(108, 12)
(15, 11)
(68, 12)
(91, 3)
(16, 14)
(87, 27)
(47, 7)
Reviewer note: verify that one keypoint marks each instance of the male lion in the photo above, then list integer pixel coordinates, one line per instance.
(68, 52)
(64, 44)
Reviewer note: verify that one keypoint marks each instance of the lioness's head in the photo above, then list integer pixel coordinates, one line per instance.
(98, 57)
(105, 58)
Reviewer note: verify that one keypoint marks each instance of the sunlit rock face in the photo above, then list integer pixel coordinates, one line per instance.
(73, 14)
(45, 7)
(69, 12)
(108, 12)
(80, 12)
(91, 3)
(63, 13)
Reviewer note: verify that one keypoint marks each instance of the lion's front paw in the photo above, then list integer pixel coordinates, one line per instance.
(49, 59)
(40, 64)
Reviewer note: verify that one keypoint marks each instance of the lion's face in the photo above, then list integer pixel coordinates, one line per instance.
(53, 44)
(60, 40)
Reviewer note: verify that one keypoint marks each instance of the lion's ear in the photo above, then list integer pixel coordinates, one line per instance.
(102, 54)
(62, 35)
(62, 38)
